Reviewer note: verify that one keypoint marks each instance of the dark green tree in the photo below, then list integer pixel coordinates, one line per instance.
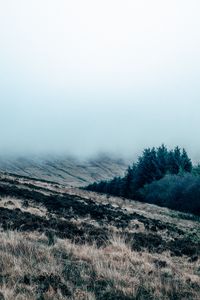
(186, 163)
(174, 161)
(147, 168)
(152, 165)
(162, 160)
(127, 182)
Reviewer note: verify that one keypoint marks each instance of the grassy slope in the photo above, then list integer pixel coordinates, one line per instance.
(65, 243)
(65, 170)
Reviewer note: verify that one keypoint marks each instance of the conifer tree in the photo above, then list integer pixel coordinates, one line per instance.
(186, 163)
(127, 182)
(174, 161)
(162, 156)
(151, 166)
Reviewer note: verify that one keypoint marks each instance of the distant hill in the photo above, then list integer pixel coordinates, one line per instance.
(65, 170)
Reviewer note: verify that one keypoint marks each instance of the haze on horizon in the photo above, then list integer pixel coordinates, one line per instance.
(88, 76)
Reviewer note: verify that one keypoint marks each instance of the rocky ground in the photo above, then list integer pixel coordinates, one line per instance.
(67, 243)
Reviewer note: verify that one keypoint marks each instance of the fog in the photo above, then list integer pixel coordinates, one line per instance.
(83, 77)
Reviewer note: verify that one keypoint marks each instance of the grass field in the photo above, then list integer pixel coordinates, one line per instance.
(66, 243)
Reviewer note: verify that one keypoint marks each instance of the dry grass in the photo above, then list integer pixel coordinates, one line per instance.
(34, 268)
(182, 220)
(30, 269)
(15, 203)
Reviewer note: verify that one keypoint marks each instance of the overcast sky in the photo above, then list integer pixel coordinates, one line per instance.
(89, 76)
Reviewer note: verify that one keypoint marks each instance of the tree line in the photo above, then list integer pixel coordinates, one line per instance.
(151, 178)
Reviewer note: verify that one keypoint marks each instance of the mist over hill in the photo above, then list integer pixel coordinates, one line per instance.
(67, 170)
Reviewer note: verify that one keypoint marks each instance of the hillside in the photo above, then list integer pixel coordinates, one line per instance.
(58, 242)
(160, 176)
(65, 170)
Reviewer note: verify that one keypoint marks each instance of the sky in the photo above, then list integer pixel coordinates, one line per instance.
(90, 76)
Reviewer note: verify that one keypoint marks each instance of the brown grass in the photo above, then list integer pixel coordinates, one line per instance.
(114, 269)
(13, 203)
(32, 268)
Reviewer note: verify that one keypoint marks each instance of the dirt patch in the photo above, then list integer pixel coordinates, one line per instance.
(17, 220)
(152, 242)
(184, 246)
(44, 282)
(155, 243)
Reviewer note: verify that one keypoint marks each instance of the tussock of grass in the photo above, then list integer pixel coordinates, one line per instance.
(31, 269)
